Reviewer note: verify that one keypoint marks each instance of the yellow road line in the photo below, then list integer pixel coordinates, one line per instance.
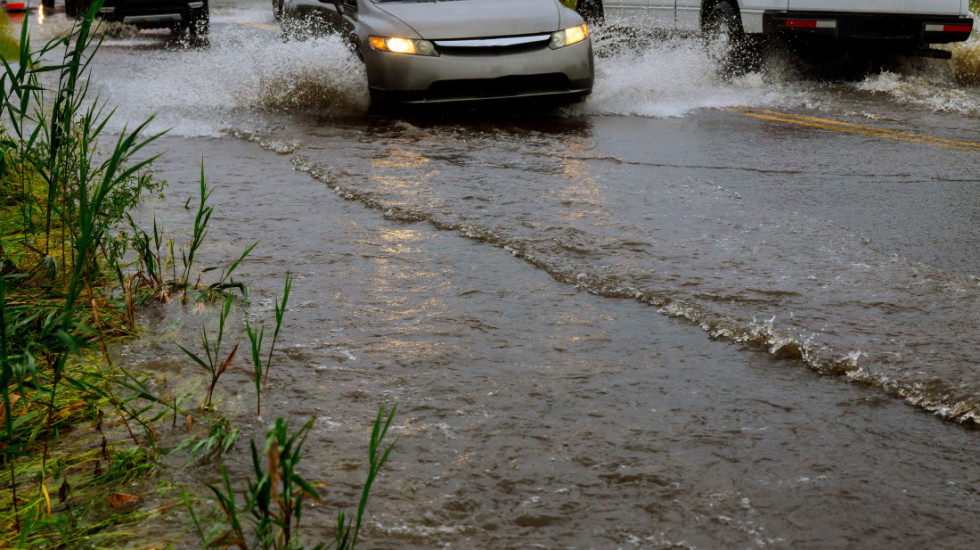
(872, 128)
(261, 26)
(827, 124)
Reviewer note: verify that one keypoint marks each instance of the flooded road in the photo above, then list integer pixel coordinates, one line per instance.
(688, 313)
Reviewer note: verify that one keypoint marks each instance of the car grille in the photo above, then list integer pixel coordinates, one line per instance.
(498, 87)
(494, 45)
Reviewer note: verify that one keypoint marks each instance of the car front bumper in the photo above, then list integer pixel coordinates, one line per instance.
(455, 77)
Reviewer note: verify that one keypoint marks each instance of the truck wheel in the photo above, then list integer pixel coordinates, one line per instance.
(725, 40)
(591, 11)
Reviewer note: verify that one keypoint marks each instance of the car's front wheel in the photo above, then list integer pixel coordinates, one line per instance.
(196, 28)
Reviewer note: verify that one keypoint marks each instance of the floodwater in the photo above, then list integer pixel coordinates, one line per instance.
(657, 319)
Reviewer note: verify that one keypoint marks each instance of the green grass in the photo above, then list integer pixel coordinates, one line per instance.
(67, 292)
(60, 202)
(9, 44)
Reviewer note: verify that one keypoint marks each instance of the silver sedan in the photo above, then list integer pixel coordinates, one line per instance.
(431, 51)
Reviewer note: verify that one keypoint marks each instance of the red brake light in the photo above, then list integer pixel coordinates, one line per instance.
(957, 28)
(801, 23)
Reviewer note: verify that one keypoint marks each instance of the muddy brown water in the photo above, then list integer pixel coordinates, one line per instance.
(644, 322)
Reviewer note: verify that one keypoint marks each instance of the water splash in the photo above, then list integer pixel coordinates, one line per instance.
(966, 61)
(939, 86)
(670, 77)
(937, 92)
(245, 73)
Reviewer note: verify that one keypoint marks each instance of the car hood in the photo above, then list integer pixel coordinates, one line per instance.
(447, 19)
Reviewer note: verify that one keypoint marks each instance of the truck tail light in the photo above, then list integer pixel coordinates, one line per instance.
(949, 28)
(810, 24)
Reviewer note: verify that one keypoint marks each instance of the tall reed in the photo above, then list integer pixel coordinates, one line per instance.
(213, 361)
(271, 510)
(68, 200)
(260, 373)
(153, 263)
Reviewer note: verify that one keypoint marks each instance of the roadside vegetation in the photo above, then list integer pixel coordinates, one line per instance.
(78, 429)
(8, 41)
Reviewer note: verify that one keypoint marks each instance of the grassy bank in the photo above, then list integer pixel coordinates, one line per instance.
(77, 430)
(60, 307)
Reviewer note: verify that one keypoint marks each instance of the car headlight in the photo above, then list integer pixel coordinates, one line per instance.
(409, 46)
(569, 36)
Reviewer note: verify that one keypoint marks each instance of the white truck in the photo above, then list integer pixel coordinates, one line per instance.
(896, 26)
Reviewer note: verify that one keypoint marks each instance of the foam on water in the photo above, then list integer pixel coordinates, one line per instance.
(245, 73)
(931, 91)
(669, 78)
(942, 87)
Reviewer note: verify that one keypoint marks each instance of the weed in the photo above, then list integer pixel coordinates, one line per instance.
(63, 200)
(347, 532)
(130, 464)
(214, 364)
(61, 204)
(273, 500)
(152, 262)
(260, 374)
(225, 281)
(221, 436)
(8, 42)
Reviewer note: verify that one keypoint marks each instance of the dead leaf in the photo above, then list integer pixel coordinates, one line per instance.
(122, 500)
(47, 498)
(228, 361)
(64, 491)
(13, 399)
(273, 468)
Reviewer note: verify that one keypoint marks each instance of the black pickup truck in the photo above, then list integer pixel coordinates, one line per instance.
(181, 16)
